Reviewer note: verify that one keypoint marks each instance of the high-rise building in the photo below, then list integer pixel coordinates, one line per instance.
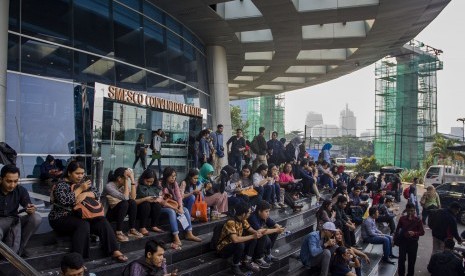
(313, 119)
(348, 122)
(324, 131)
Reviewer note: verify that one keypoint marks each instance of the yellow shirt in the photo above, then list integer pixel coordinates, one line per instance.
(229, 228)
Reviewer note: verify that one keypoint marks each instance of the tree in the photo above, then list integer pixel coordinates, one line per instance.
(367, 164)
(236, 120)
(440, 150)
(353, 145)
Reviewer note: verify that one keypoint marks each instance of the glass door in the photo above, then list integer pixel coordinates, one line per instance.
(124, 127)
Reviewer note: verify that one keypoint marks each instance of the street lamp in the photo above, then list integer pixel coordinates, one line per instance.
(463, 127)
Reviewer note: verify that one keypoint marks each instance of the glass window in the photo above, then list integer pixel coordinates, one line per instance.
(47, 19)
(130, 78)
(89, 68)
(134, 4)
(13, 24)
(155, 48)
(457, 188)
(45, 59)
(153, 12)
(87, 15)
(444, 187)
(128, 35)
(40, 115)
(13, 52)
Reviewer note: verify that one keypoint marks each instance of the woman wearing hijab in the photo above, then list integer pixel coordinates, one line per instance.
(215, 199)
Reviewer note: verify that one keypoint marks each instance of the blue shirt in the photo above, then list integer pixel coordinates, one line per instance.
(312, 246)
(257, 223)
(217, 140)
(369, 228)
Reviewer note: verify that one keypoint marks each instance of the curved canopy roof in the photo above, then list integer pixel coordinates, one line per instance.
(274, 46)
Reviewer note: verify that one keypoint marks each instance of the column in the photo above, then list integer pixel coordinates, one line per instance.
(219, 92)
(4, 8)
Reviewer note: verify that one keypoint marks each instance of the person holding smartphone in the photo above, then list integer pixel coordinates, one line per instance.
(63, 220)
(149, 202)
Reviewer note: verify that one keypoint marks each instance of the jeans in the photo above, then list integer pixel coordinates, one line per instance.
(268, 193)
(188, 202)
(29, 224)
(173, 219)
(322, 261)
(407, 249)
(235, 160)
(384, 240)
(142, 161)
(159, 166)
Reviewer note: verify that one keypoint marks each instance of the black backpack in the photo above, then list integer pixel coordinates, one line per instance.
(434, 218)
(217, 234)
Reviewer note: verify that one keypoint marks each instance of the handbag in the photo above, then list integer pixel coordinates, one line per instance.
(199, 209)
(249, 192)
(89, 208)
(156, 155)
(169, 202)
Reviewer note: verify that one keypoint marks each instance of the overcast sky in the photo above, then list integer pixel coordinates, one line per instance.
(357, 89)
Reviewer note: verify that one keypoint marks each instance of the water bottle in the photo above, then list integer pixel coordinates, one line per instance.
(208, 212)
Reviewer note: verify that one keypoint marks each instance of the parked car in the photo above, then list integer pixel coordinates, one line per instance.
(453, 192)
(439, 174)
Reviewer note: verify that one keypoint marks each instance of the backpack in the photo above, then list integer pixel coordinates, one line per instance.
(406, 192)
(254, 147)
(434, 218)
(217, 234)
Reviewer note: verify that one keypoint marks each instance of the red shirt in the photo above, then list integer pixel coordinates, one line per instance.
(407, 225)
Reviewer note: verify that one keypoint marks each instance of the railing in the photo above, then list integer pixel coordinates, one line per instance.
(18, 262)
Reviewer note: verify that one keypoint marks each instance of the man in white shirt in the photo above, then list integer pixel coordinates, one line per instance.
(155, 146)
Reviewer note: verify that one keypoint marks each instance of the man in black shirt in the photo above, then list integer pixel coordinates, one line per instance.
(15, 230)
(235, 151)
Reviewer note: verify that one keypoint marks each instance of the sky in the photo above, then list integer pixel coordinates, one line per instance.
(358, 88)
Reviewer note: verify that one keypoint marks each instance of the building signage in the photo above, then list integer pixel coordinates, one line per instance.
(142, 99)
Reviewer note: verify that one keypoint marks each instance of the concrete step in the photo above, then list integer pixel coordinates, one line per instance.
(48, 256)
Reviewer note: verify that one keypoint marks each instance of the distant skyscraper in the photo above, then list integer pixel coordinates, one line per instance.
(313, 119)
(324, 131)
(348, 122)
(456, 132)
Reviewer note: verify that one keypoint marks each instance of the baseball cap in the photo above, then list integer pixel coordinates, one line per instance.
(329, 226)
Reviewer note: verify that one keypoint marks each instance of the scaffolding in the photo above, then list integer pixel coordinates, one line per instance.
(266, 111)
(406, 104)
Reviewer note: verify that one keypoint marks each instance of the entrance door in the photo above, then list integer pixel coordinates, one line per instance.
(123, 126)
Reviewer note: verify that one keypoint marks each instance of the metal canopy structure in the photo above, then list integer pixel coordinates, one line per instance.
(274, 46)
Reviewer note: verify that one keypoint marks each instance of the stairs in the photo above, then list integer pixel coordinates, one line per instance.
(195, 258)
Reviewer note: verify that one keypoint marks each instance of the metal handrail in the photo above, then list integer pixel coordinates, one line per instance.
(18, 262)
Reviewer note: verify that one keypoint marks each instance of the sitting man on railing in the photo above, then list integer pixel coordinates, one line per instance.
(16, 230)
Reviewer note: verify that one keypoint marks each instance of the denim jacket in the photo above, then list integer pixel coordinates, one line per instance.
(311, 247)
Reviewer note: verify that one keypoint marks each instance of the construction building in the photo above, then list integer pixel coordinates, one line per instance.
(406, 104)
(266, 111)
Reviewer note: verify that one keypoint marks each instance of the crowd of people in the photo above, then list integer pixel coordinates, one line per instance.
(260, 176)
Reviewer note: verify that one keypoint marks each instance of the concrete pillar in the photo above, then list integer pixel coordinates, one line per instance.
(219, 92)
(4, 9)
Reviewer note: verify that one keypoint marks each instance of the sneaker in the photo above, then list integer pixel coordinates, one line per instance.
(135, 234)
(249, 265)
(276, 205)
(236, 270)
(282, 205)
(262, 263)
(271, 259)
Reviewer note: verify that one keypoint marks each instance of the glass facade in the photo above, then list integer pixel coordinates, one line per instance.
(58, 49)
